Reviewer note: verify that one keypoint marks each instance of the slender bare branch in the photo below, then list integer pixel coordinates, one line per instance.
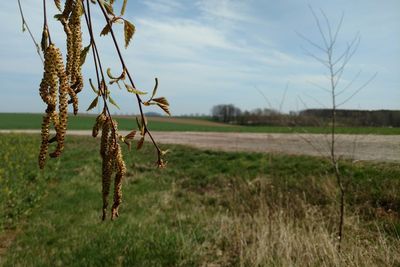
(265, 98)
(319, 86)
(316, 100)
(349, 84)
(338, 28)
(319, 27)
(358, 90)
(25, 25)
(311, 42)
(320, 60)
(139, 100)
(283, 97)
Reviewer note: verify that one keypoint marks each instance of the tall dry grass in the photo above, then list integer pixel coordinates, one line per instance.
(265, 227)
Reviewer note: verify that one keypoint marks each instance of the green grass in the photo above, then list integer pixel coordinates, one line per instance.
(82, 122)
(181, 215)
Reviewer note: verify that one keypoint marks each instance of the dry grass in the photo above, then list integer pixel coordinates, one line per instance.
(266, 228)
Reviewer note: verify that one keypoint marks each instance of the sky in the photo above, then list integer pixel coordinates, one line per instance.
(206, 52)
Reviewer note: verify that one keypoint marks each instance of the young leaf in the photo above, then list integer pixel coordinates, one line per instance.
(109, 8)
(130, 89)
(123, 7)
(93, 104)
(140, 143)
(129, 30)
(138, 123)
(155, 89)
(58, 16)
(113, 102)
(44, 42)
(141, 126)
(130, 135)
(161, 100)
(128, 143)
(93, 87)
(58, 4)
(105, 30)
(165, 108)
(84, 53)
(110, 75)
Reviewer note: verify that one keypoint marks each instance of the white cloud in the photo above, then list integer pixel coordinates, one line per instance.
(164, 6)
(187, 33)
(232, 10)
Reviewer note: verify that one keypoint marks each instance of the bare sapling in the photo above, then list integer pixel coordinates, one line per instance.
(335, 60)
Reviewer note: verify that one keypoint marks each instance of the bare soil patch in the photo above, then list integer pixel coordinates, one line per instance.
(356, 147)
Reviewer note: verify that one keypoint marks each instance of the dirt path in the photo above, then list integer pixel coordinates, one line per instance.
(358, 147)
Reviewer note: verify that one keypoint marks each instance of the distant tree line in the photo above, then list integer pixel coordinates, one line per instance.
(309, 117)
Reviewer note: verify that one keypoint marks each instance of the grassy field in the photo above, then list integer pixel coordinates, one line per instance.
(205, 209)
(84, 122)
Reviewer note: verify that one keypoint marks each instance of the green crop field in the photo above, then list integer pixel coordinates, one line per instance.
(205, 209)
(85, 122)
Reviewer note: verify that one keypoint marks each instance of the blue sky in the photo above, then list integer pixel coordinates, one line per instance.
(208, 52)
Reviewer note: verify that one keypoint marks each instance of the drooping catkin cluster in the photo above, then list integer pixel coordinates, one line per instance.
(71, 20)
(111, 154)
(54, 82)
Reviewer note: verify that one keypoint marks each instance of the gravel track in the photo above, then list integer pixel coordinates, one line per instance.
(357, 147)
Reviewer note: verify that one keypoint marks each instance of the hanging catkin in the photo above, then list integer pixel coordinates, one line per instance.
(76, 80)
(106, 165)
(63, 88)
(45, 140)
(121, 171)
(99, 124)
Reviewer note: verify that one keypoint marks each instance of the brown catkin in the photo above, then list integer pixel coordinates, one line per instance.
(45, 140)
(48, 86)
(63, 88)
(76, 79)
(68, 6)
(72, 28)
(106, 165)
(48, 92)
(121, 171)
(98, 124)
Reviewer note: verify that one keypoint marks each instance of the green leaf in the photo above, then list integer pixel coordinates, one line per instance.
(113, 102)
(58, 4)
(84, 53)
(129, 30)
(93, 104)
(93, 87)
(58, 16)
(123, 7)
(105, 30)
(130, 89)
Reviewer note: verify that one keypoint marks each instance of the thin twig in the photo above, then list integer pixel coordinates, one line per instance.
(358, 90)
(101, 84)
(139, 100)
(25, 25)
(283, 97)
(45, 25)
